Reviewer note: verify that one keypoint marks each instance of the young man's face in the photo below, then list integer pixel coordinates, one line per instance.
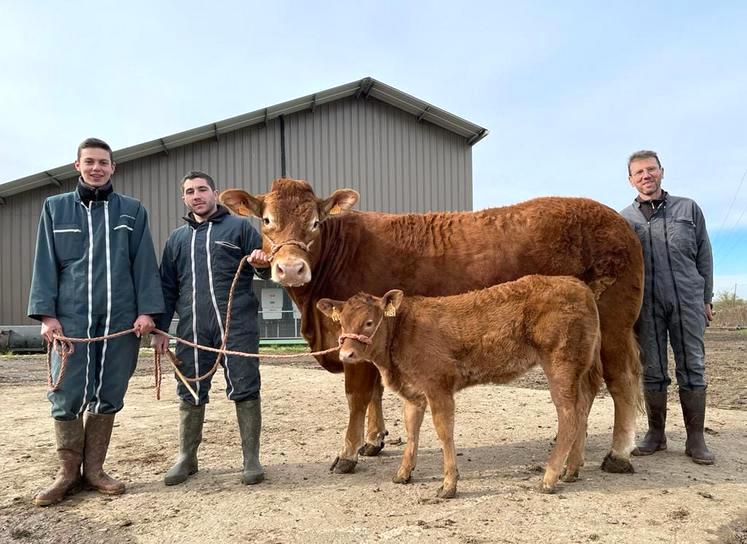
(199, 197)
(645, 176)
(95, 166)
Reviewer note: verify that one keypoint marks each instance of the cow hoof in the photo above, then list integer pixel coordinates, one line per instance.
(569, 476)
(397, 479)
(370, 450)
(446, 493)
(546, 489)
(343, 466)
(617, 465)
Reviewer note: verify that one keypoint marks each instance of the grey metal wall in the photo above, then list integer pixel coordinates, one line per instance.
(397, 164)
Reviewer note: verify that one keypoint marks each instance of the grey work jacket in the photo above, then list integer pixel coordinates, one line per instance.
(676, 251)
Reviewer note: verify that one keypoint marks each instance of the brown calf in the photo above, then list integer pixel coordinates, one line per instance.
(428, 348)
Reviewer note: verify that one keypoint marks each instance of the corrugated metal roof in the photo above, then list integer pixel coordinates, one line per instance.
(362, 88)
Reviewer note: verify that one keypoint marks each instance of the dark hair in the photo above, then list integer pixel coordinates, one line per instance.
(643, 154)
(194, 174)
(95, 142)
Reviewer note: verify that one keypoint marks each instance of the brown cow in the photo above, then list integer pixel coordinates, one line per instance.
(436, 346)
(319, 252)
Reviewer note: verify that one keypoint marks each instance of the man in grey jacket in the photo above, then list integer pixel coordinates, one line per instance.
(676, 303)
(199, 262)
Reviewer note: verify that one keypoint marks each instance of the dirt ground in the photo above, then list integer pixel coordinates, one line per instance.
(503, 435)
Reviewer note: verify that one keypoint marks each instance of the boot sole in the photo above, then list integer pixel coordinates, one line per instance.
(72, 490)
(643, 453)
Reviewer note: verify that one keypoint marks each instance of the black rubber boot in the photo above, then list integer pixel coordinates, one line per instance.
(249, 414)
(693, 412)
(191, 419)
(656, 409)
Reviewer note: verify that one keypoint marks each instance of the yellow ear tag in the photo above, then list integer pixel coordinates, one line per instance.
(390, 310)
(335, 315)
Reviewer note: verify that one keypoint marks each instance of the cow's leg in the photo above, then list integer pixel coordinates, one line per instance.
(564, 393)
(376, 430)
(442, 410)
(414, 412)
(359, 383)
(621, 366)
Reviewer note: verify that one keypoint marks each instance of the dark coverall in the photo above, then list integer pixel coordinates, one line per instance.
(95, 270)
(678, 284)
(198, 266)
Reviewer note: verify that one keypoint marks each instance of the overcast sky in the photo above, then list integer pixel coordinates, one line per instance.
(567, 89)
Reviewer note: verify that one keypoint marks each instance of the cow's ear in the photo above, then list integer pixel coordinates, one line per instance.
(341, 201)
(240, 202)
(392, 300)
(330, 308)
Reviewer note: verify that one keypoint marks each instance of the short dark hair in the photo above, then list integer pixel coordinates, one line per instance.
(643, 154)
(95, 142)
(194, 174)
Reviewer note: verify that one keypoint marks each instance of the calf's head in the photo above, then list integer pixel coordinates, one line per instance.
(291, 219)
(361, 319)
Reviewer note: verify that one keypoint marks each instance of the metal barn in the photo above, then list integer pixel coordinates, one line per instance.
(401, 153)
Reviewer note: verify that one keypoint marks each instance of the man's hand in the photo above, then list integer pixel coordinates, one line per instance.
(708, 312)
(159, 343)
(50, 327)
(258, 259)
(143, 325)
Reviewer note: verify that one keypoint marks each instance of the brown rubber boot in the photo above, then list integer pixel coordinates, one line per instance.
(656, 409)
(693, 412)
(98, 432)
(69, 435)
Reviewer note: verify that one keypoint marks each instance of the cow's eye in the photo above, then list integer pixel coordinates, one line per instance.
(369, 323)
(315, 225)
(266, 220)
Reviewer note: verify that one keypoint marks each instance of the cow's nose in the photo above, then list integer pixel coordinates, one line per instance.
(347, 356)
(291, 272)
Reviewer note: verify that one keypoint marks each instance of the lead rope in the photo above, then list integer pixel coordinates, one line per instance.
(64, 345)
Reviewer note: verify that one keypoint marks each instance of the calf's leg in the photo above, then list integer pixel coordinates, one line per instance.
(359, 385)
(414, 412)
(564, 394)
(376, 429)
(442, 410)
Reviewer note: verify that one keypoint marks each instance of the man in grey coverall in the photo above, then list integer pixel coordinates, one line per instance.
(676, 303)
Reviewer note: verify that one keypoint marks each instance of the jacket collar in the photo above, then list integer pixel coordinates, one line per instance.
(86, 194)
(655, 203)
(220, 212)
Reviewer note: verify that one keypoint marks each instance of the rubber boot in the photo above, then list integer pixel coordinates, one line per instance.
(69, 436)
(98, 433)
(249, 414)
(191, 419)
(656, 409)
(693, 412)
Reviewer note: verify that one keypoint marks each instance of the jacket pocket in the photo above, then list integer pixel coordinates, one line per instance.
(69, 242)
(683, 235)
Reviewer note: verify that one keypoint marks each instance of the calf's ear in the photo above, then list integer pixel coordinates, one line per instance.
(330, 308)
(240, 202)
(392, 300)
(341, 201)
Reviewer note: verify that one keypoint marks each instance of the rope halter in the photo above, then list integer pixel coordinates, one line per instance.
(274, 248)
(389, 311)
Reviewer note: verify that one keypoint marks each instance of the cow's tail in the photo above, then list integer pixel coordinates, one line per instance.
(636, 366)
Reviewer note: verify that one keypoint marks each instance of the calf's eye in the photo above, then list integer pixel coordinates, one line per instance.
(266, 220)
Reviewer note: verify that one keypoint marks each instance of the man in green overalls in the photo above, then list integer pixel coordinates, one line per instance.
(95, 273)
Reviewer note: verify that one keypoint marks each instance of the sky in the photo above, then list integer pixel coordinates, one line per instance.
(567, 89)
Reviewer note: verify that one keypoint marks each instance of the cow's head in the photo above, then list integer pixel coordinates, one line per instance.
(361, 319)
(291, 217)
